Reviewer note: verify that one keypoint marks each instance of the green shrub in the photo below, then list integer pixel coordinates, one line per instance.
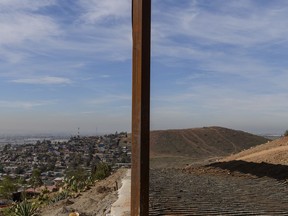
(101, 171)
(35, 179)
(25, 208)
(60, 196)
(7, 187)
(78, 174)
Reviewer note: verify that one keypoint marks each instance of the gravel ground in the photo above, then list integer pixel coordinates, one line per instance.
(177, 192)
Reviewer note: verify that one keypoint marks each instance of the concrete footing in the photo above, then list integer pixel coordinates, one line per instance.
(122, 206)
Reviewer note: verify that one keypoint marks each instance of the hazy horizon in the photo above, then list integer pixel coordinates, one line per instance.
(67, 133)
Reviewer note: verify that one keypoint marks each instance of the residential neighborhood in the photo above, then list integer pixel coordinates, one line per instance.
(53, 160)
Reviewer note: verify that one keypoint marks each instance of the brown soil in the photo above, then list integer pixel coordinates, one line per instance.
(96, 201)
(269, 159)
(274, 152)
(201, 143)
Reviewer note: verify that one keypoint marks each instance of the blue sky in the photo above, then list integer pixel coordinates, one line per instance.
(67, 64)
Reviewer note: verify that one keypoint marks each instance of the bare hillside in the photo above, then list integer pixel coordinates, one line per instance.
(274, 152)
(201, 142)
(269, 160)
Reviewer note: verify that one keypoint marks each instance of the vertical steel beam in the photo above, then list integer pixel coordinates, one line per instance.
(141, 25)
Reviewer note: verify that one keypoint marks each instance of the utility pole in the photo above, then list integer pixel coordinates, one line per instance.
(141, 25)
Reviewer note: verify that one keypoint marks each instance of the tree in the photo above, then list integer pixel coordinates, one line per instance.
(7, 187)
(1, 168)
(51, 166)
(78, 173)
(6, 147)
(35, 179)
(101, 171)
(19, 170)
(76, 179)
(286, 133)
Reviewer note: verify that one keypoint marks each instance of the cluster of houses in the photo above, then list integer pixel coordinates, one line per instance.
(54, 158)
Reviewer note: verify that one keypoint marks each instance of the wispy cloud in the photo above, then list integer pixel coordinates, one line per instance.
(20, 5)
(211, 60)
(23, 104)
(228, 22)
(44, 80)
(223, 43)
(20, 24)
(101, 11)
(27, 31)
(220, 36)
(110, 99)
(105, 76)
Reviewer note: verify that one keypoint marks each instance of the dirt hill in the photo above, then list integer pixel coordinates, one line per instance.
(201, 142)
(274, 152)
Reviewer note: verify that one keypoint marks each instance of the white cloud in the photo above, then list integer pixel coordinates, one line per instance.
(19, 28)
(20, 5)
(226, 100)
(220, 39)
(21, 25)
(213, 54)
(105, 76)
(110, 44)
(228, 23)
(23, 104)
(99, 10)
(109, 99)
(26, 32)
(44, 80)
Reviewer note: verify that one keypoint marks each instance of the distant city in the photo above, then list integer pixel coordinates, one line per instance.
(52, 156)
(32, 138)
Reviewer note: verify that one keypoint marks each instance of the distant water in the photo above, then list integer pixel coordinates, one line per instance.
(271, 136)
(29, 139)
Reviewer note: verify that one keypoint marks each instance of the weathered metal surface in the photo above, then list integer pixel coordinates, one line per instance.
(141, 21)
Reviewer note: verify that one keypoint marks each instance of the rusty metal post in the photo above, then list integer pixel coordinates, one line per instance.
(141, 25)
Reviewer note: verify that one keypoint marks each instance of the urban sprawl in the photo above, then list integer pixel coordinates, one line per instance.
(53, 159)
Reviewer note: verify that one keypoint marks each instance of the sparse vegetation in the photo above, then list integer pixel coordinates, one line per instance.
(60, 196)
(101, 171)
(25, 208)
(286, 133)
(36, 180)
(78, 173)
(7, 187)
(80, 180)
(1, 168)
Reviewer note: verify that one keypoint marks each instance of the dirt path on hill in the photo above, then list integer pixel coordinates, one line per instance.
(203, 143)
(227, 140)
(92, 202)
